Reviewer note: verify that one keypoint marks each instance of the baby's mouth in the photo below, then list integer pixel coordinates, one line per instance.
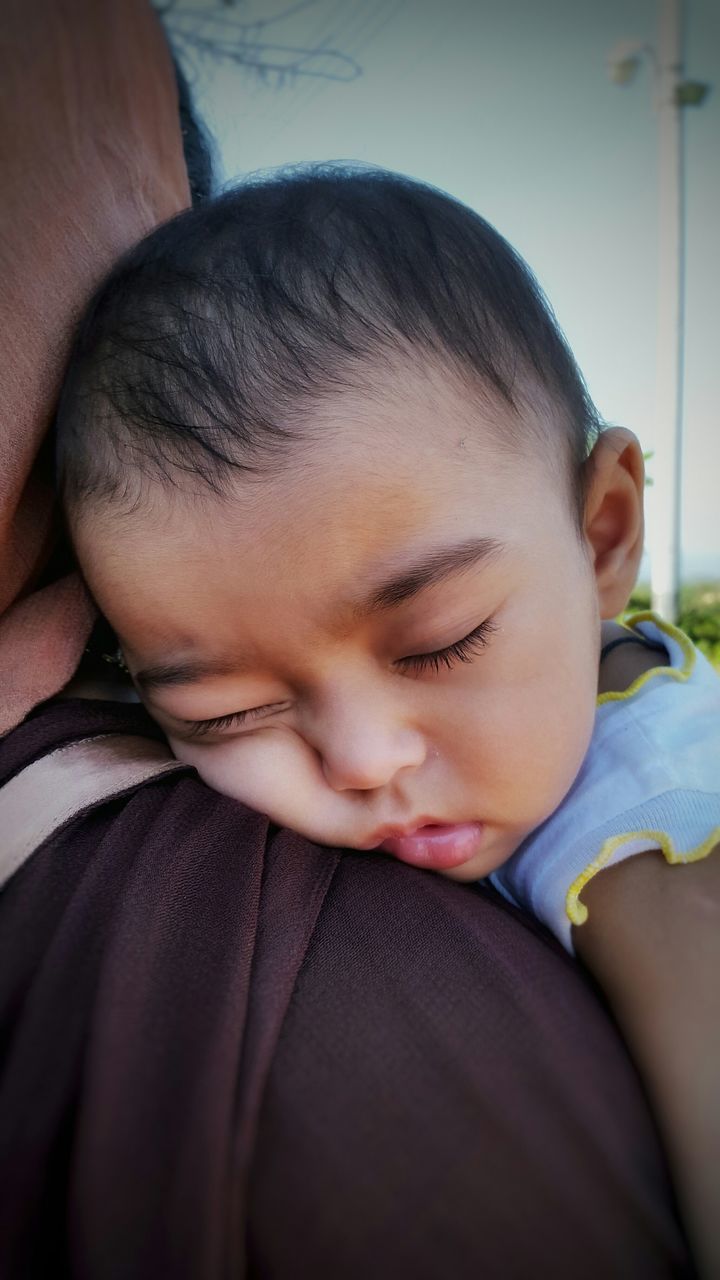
(436, 846)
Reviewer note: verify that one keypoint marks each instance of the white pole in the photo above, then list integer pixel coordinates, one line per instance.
(664, 540)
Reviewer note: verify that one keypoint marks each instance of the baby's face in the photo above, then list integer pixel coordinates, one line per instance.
(401, 631)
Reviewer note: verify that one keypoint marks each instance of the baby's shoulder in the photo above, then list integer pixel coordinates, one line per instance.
(622, 664)
(659, 703)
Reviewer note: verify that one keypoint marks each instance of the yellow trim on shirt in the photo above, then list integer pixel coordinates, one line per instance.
(576, 910)
(674, 673)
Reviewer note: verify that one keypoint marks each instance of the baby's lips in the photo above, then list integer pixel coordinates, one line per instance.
(437, 846)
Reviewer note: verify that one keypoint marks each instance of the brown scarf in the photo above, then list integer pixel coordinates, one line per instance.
(91, 161)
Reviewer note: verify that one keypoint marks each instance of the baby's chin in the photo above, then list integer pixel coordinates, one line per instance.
(475, 869)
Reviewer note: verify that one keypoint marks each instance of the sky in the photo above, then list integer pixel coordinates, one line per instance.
(508, 105)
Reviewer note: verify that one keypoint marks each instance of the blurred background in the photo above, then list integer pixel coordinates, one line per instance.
(546, 117)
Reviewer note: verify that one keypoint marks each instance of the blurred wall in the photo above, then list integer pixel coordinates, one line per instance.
(508, 105)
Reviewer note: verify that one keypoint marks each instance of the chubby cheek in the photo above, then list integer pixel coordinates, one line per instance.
(558, 742)
(519, 749)
(274, 773)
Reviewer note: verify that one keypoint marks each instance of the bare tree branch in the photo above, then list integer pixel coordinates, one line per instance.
(220, 36)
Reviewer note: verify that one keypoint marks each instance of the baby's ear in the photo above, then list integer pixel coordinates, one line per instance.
(613, 523)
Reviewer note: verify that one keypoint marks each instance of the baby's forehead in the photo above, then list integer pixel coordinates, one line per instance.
(379, 477)
(416, 406)
(406, 454)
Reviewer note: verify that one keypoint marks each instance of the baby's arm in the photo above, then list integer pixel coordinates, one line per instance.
(662, 980)
(651, 931)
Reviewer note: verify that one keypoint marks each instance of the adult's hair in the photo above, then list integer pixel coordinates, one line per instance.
(197, 143)
(208, 346)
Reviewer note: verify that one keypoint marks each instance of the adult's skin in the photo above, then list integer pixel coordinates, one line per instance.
(91, 161)
(230, 1052)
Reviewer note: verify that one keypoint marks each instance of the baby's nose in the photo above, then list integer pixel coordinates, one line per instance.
(367, 759)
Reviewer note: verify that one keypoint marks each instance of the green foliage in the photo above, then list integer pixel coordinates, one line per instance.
(699, 615)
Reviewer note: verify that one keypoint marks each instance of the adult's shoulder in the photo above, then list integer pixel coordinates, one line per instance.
(214, 1027)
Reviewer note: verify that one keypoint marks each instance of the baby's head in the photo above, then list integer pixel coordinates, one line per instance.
(336, 482)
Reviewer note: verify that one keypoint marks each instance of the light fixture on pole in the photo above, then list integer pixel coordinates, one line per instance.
(672, 94)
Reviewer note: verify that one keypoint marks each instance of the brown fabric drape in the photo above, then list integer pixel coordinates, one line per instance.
(229, 1053)
(90, 160)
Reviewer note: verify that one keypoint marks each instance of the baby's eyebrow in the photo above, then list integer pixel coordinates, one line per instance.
(433, 567)
(163, 675)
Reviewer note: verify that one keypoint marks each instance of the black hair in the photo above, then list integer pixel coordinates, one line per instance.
(198, 144)
(207, 341)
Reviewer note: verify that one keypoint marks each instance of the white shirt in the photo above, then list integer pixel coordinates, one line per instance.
(650, 780)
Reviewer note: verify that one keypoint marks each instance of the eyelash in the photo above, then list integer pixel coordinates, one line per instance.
(461, 651)
(196, 728)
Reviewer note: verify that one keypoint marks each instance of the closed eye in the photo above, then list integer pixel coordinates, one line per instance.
(461, 651)
(196, 728)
